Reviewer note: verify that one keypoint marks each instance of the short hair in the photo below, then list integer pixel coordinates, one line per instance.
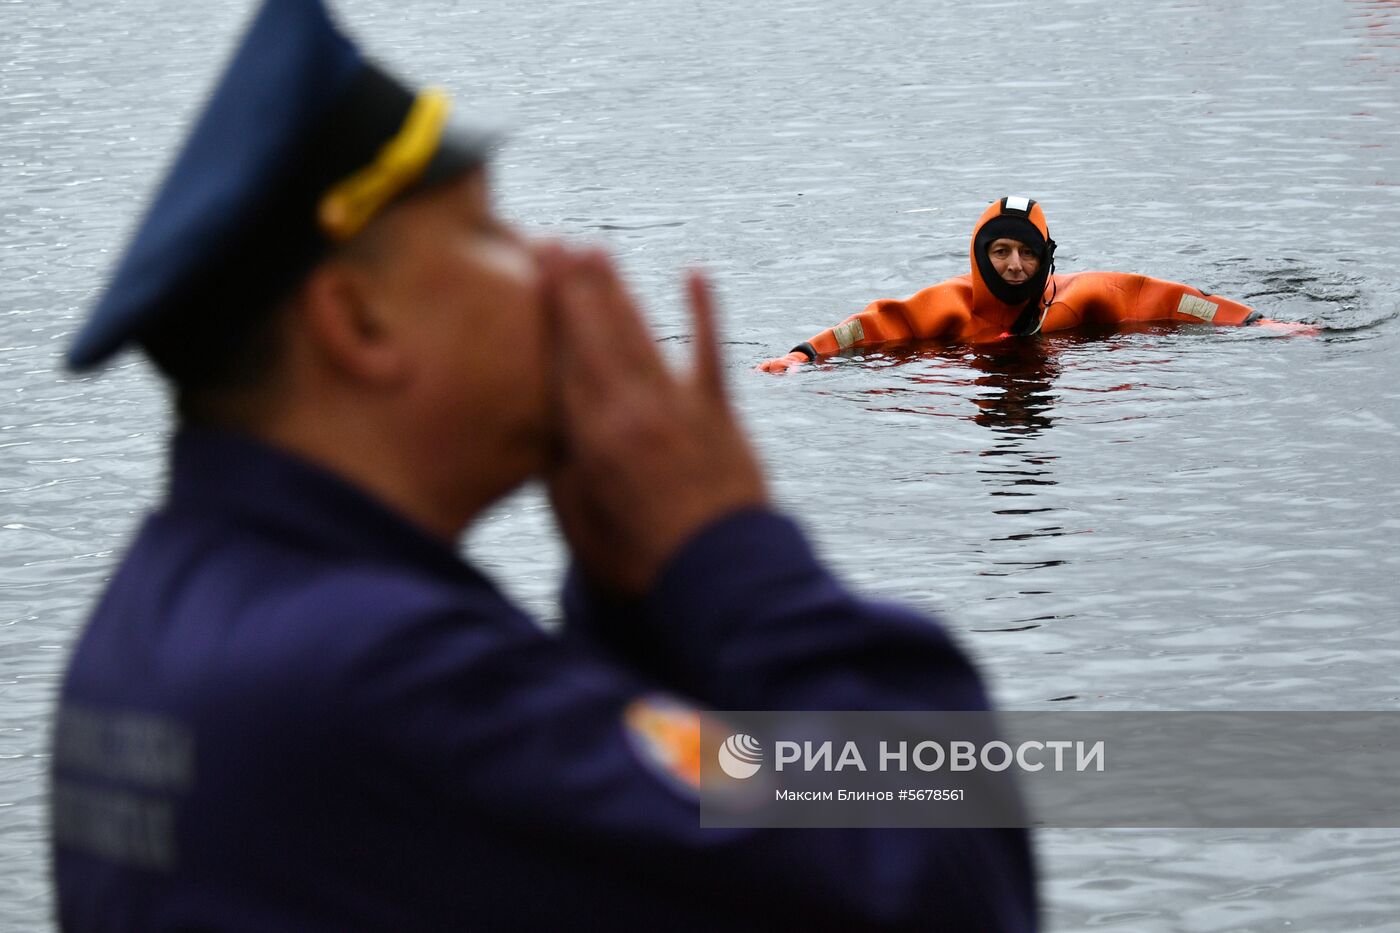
(222, 334)
(215, 354)
(227, 337)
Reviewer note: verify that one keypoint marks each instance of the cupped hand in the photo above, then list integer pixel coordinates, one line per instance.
(649, 456)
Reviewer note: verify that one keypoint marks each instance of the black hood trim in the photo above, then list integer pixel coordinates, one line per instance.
(1014, 226)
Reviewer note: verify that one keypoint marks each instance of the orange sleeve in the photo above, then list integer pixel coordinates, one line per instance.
(1119, 297)
(931, 313)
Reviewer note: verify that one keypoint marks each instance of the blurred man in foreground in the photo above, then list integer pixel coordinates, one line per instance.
(296, 707)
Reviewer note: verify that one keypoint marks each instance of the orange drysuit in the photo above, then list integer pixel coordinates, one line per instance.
(983, 307)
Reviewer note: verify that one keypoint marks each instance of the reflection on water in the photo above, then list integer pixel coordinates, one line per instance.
(1008, 388)
(1014, 400)
(1017, 376)
(1011, 382)
(1011, 387)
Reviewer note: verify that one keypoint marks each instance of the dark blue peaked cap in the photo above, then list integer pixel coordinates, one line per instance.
(299, 145)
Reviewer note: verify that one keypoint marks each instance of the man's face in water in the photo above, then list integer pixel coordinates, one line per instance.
(1014, 261)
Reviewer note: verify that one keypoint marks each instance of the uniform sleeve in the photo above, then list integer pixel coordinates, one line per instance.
(931, 313)
(745, 617)
(508, 746)
(1115, 298)
(884, 321)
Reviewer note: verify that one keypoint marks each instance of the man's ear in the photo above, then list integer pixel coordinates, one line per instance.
(347, 328)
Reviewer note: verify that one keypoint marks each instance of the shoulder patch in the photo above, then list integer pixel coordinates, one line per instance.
(849, 333)
(1197, 307)
(665, 734)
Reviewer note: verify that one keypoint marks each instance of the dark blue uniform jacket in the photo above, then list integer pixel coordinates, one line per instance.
(294, 711)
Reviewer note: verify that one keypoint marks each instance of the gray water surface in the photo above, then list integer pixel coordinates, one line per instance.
(1170, 519)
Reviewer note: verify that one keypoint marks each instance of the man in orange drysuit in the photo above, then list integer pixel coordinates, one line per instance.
(1013, 291)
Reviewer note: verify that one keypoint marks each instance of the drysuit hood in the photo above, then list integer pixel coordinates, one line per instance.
(1017, 219)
